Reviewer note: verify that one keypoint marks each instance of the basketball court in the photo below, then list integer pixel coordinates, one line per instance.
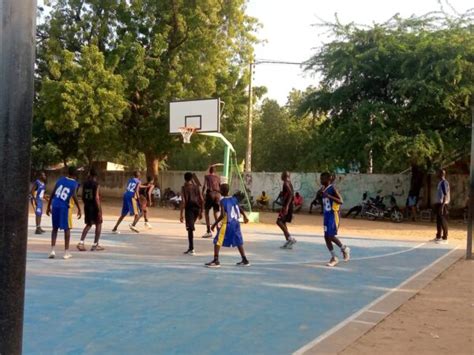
(142, 295)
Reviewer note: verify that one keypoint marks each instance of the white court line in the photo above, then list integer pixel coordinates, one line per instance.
(177, 262)
(376, 312)
(363, 322)
(342, 324)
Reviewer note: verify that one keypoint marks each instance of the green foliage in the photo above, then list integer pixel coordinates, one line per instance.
(399, 89)
(81, 104)
(162, 51)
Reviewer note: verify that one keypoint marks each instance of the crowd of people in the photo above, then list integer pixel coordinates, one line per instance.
(195, 201)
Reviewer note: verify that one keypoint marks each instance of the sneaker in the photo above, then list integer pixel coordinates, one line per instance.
(133, 228)
(436, 240)
(115, 231)
(291, 242)
(346, 253)
(243, 263)
(81, 247)
(42, 230)
(67, 255)
(38, 230)
(285, 246)
(97, 247)
(207, 235)
(333, 262)
(148, 225)
(214, 264)
(442, 241)
(52, 255)
(190, 252)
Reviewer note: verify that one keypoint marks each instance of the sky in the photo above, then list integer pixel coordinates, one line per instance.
(289, 33)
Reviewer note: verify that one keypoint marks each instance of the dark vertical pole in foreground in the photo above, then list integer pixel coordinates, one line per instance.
(17, 50)
(471, 193)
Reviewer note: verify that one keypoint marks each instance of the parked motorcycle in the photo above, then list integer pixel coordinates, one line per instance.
(377, 209)
(359, 209)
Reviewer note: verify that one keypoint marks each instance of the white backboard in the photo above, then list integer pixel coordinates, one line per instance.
(203, 114)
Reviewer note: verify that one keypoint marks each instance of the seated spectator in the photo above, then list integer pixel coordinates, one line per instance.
(176, 201)
(278, 201)
(298, 202)
(263, 200)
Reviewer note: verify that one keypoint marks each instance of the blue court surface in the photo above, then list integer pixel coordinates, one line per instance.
(142, 296)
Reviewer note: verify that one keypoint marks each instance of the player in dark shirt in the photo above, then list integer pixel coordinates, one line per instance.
(212, 191)
(286, 214)
(145, 198)
(191, 206)
(92, 210)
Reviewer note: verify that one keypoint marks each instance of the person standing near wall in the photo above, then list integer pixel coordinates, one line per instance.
(443, 197)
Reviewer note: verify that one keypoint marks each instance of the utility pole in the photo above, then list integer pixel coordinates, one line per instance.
(248, 155)
(471, 192)
(17, 54)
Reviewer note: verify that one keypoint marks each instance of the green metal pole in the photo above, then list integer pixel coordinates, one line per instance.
(226, 162)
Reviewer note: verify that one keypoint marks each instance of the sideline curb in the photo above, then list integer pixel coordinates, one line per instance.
(348, 331)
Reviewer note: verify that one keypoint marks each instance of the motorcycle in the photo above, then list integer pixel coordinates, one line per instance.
(377, 209)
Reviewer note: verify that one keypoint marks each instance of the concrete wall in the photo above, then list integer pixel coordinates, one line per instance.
(351, 186)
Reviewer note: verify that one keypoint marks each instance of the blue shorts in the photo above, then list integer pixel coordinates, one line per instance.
(39, 208)
(331, 223)
(130, 206)
(229, 235)
(62, 218)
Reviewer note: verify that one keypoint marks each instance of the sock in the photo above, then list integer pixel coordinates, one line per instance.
(81, 242)
(244, 258)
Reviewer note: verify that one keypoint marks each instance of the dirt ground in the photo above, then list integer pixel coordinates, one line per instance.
(438, 320)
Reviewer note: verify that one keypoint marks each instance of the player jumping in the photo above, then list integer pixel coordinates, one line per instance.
(332, 201)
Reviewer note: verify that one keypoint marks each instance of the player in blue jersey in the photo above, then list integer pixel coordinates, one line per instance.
(332, 201)
(37, 196)
(229, 234)
(60, 207)
(131, 205)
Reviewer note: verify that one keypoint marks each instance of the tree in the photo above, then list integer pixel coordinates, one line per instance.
(81, 104)
(399, 90)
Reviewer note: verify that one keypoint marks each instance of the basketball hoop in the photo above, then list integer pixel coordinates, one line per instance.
(187, 132)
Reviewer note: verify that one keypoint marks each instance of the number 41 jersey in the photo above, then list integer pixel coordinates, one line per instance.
(63, 191)
(229, 235)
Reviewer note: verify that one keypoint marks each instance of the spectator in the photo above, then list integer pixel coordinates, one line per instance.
(298, 202)
(156, 195)
(176, 201)
(443, 197)
(263, 200)
(412, 203)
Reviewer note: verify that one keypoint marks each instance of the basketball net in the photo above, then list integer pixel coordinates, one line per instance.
(187, 132)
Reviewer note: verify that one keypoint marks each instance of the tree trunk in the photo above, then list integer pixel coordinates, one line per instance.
(152, 165)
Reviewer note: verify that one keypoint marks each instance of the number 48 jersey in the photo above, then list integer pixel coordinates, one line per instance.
(63, 191)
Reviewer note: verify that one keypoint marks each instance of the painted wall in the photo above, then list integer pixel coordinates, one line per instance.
(351, 186)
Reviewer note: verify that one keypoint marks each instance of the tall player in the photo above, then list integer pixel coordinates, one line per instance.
(62, 202)
(37, 195)
(130, 203)
(92, 211)
(145, 195)
(286, 213)
(211, 189)
(332, 201)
